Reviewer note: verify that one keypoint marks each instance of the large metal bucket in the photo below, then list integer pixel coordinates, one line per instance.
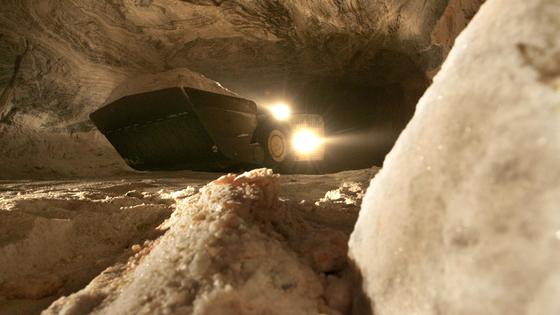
(179, 128)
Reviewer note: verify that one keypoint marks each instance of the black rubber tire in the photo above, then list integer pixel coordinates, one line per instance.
(275, 140)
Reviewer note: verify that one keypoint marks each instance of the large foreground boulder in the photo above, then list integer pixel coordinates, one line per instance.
(464, 217)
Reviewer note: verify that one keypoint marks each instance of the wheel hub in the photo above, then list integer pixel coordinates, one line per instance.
(277, 145)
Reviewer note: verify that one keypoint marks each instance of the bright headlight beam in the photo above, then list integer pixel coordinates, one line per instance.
(306, 141)
(280, 111)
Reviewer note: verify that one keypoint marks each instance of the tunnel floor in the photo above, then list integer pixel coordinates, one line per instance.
(59, 235)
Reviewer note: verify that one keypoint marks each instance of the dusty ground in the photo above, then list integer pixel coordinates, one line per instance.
(56, 236)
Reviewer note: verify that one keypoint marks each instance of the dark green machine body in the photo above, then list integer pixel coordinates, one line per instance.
(181, 128)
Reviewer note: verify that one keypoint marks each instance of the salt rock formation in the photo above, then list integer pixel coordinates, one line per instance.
(60, 60)
(463, 218)
(57, 236)
(172, 78)
(233, 248)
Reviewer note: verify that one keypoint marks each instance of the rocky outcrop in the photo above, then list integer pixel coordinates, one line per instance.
(56, 238)
(60, 60)
(463, 218)
(59, 235)
(232, 248)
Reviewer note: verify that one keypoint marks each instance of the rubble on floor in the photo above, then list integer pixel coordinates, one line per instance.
(244, 243)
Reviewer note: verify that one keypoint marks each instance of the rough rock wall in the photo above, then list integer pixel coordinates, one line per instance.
(59, 60)
(463, 218)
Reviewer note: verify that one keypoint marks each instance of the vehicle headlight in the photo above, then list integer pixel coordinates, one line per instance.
(280, 111)
(306, 141)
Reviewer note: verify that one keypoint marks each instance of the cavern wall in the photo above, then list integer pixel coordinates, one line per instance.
(61, 59)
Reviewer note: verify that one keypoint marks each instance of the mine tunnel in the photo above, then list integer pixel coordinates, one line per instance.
(279, 157)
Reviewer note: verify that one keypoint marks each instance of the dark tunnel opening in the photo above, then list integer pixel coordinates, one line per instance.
(364, 111)
(361, 122)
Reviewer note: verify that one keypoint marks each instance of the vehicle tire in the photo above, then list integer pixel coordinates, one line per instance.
(274, 139)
